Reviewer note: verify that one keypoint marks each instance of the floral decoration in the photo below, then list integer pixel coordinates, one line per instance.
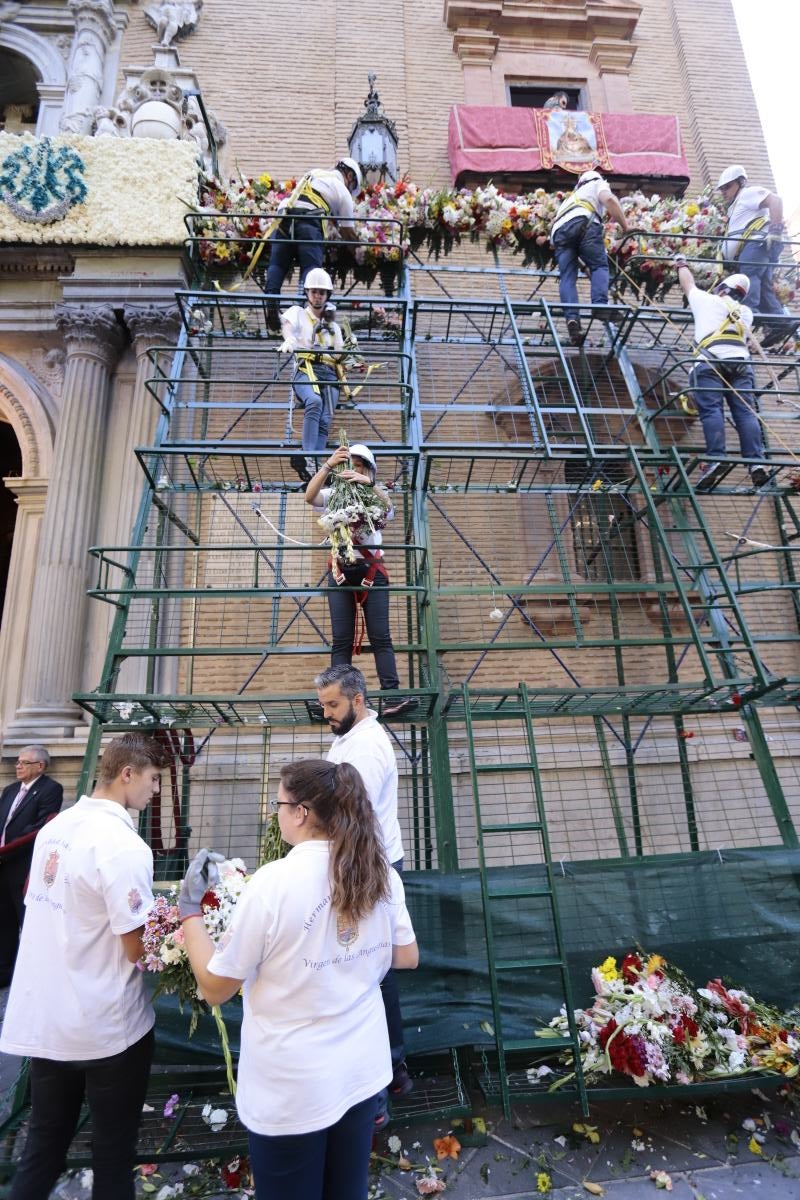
(649, 1022)
(129, 192)
(165, 950)
(400, 217)
(353, 510)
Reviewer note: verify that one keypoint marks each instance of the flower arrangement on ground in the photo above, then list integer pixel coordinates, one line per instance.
(354, 509)
(648, 1021)
(165, 953)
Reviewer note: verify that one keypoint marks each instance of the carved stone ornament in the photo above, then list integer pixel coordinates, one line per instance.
(40, 182)
(90, 330)
(172, 20)
(152, 324)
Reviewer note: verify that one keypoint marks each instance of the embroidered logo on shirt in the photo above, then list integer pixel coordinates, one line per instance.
(346, 932)
(50, 869)
(134, 900)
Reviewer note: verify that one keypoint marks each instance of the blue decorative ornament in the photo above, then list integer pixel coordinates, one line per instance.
(40, 183)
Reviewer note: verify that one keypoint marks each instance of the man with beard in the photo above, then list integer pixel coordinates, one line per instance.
(361, 741)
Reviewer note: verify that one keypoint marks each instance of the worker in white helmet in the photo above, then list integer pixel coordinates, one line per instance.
(723, 370)
(577, 236)
(311, 333)
(753, 243)
(301, 234)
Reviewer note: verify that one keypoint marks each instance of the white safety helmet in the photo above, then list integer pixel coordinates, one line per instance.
(356, 169)
(737, 283)
(318, 278)
(731, 174)
(364, 452)
(588, 176)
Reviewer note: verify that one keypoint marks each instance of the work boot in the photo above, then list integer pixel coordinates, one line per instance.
(710, 475)
(273, 318)
(399, 708)
(575, 332)
(299, 463)
(759, 476)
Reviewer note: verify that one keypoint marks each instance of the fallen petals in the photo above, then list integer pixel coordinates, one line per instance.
(594, 1188)
(662, 1180)
(588, 1131)
(754, 1147)
(394, 1144)
(429, 1185)
(447, 1147)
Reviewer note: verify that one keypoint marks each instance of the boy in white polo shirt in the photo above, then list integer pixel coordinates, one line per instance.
(78, 1004)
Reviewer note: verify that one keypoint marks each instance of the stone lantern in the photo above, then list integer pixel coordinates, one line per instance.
(373, 140)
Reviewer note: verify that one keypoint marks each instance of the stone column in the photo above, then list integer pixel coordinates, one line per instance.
(94, 32)
(53, 662)
(31, 495)
(150, 325)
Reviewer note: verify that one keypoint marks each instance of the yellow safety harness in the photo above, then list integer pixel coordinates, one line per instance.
(574, 202)
(749, 231)
(304, 190)
(732, 331)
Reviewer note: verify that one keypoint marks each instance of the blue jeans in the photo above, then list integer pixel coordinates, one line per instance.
(711, 386)
(115, 1089)
(756, 262)
(285, 251)
(328, 1164)
(318, 405)
(581, 239)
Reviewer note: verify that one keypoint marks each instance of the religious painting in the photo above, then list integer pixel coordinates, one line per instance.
(573, 141)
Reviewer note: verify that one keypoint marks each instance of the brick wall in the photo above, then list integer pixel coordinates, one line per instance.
(289, 80)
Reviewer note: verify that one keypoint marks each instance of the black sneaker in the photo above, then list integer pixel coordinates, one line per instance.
(402, 1083)
(273, 319)
(299, 463)
(398, 708)
(575, 332)
(759, 477)
(709, 477)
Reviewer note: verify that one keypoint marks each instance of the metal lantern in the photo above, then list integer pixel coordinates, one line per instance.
(373, 140)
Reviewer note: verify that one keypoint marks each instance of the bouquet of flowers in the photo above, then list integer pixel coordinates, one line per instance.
(649, 1022)
(165, 952)
(354, 509)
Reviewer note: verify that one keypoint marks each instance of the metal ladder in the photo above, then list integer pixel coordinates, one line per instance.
(494, 894)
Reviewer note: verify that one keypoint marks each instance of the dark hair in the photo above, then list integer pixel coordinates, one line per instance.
(335, 794)
(131, 750)
(350, 680)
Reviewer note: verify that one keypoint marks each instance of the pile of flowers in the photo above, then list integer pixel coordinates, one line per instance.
(395, 218)
(165, 952)
(649, 1022)
(353, 510)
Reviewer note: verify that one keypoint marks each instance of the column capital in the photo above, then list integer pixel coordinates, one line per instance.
(475, 45)
(152, 325)
(612, 56)
(97, 15)
(90, 330)
(30, 493)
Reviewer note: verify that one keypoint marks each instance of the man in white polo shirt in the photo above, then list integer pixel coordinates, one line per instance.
(361, 741)
(78, 1005)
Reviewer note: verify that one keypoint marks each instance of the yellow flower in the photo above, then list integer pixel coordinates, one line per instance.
(607, 969)
(692, 210)
(596, 487)
(543, 1182)
(265, 180)
(654, 963)
(754, 1147)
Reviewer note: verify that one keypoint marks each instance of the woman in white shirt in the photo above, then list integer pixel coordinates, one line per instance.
(368, 573)
(311, 939)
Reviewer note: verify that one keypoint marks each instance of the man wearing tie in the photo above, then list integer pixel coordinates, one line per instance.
(25, 806)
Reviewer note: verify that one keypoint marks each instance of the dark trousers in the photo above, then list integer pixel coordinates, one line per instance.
(342, 605)
(115, 1090)
(391, 1004)
(12, 912)
(285, 251)
(328, 1164)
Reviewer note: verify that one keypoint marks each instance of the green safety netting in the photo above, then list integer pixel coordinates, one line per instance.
(732, 913)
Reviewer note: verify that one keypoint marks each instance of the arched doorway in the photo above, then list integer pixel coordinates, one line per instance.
(19, 95)
(10, 464)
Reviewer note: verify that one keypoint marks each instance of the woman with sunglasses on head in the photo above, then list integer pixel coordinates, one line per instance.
(311, 939)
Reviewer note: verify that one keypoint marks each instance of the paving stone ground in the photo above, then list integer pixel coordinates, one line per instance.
(704, 1147)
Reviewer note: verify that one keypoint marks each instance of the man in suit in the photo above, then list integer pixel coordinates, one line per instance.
(25, 806)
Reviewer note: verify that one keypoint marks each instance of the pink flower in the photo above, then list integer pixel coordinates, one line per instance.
(169, 1107)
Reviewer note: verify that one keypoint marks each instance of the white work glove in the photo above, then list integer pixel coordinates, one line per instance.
(679, 260)
(202, 874)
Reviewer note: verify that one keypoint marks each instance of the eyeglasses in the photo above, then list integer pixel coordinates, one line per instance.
(274, 805)
(28, 762)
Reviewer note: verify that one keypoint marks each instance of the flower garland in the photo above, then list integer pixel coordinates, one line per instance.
(397, 218)
(647, 1021)
(165, 950)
